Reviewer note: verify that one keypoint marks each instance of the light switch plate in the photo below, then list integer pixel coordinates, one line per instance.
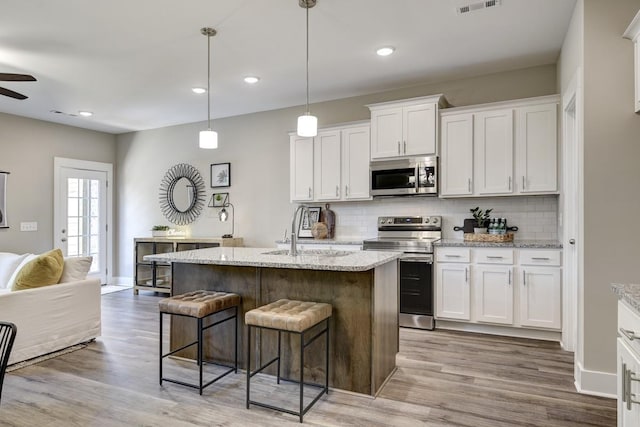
(29, 226)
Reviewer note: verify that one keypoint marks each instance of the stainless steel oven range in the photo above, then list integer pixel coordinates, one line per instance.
(413, 235)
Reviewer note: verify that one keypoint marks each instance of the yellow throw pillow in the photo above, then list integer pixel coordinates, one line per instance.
(44, 270)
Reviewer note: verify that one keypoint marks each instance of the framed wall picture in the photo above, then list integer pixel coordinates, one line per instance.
(220, 175)
(309, 217)
(3, 200)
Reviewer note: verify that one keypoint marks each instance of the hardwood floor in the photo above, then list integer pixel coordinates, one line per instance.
(443, 378)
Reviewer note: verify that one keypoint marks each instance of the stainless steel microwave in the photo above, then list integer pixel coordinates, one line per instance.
(405, 177)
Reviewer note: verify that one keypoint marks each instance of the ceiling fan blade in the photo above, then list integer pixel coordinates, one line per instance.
(12, 94)
(10, 77)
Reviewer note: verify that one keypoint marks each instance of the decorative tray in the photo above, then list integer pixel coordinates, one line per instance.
(491, 238)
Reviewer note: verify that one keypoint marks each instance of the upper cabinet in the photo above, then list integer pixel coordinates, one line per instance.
(332, 166)
(632, 33)
(405, 128)
(499, 149)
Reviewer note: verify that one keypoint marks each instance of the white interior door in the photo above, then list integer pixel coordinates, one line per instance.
(80, 216)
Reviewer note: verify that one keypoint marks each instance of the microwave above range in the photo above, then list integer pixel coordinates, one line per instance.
(405, 177)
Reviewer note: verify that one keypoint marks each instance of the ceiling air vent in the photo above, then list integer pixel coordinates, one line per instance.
(477, 6)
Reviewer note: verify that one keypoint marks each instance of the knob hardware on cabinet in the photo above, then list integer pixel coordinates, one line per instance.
(398, 147)
(572, 241)
(337, 190)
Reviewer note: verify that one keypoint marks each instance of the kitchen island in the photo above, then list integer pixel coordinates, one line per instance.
(361, 286)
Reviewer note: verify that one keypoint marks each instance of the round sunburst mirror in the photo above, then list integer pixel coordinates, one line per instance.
(182, 194)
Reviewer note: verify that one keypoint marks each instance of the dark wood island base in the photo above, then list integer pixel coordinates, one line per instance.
(364, 328)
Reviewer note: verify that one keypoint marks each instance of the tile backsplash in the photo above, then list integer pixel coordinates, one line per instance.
(535, 216)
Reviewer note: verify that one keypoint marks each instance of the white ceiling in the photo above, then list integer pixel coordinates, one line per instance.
(133, 63)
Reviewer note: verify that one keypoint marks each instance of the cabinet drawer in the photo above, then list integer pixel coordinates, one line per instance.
(493, 256)
(453, 255)
(539, 257)
(630, 322)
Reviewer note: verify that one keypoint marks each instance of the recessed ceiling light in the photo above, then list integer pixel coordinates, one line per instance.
(85, 113)
(251, 80)
(198, 90)
(385, 51)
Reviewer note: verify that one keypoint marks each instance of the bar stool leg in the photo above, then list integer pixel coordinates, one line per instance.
(326, 372)
(301, 374)
(279, 345)
(160, 352)
(235, 360)
(200, 351)
(248, 364)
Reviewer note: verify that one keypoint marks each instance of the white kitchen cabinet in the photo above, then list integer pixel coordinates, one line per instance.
(537, 149)
(456, 162)
(493, 144)
(632, 33)
(500, 149)
(489, 279)
(540, 288)
(492, 286)
(628, 376)
(355, 163)
(332, 166)
(326, 162)
(405, 128)
(453, 289)
(301, 168)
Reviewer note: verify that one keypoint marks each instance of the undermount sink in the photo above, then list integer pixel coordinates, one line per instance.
(310, 252)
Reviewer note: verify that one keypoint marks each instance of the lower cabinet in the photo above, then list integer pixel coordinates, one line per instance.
(628, 346)
(509, 287)
(453, 291)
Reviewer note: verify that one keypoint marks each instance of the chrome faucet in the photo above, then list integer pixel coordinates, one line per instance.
(294, 248)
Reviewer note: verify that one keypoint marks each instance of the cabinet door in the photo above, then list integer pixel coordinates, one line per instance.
(540, 297)
(537, 149)
(628, 390)
(453, 291)
(386, 133)
(326, 161)
(355, 163)
(493, 294)
(301, 168)
(457, 155)
(493, 145)
(419, 130)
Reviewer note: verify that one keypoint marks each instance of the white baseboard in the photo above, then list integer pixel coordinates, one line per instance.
(595, 383)
(499, 330)
(121, 280)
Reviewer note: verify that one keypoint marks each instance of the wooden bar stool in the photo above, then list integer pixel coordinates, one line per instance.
(200, 305)
(294, 317)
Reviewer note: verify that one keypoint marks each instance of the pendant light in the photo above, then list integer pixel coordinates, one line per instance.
(209, 137)
(307, 124)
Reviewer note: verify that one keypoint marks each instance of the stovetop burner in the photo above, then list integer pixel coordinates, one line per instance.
(406, 234)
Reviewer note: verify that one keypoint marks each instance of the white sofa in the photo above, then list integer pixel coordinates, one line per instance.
(52, 317)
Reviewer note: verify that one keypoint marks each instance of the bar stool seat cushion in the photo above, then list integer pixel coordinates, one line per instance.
(199, 303)
(288, 315)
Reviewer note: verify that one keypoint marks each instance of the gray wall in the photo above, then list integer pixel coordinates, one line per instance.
(27, 149)
(611, 173)
(257, 146)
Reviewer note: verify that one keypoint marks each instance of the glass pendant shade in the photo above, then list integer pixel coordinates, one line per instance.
(307, 125)
(208, 139)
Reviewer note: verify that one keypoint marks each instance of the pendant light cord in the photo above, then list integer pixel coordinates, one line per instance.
(307, 8)
(209, 80)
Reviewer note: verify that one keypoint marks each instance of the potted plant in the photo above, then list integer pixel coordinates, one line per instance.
(481, 218)
(160, 230)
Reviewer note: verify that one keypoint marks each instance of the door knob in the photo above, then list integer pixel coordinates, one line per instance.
(63, 240)
(572, 241)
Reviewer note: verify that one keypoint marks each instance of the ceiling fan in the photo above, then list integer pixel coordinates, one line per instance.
(10, 77)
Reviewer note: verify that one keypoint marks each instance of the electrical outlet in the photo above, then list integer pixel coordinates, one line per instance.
(29, 226)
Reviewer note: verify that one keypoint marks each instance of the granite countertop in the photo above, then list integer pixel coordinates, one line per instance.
(629, 293)
(255, 257)
(534, 244)
(302, 241)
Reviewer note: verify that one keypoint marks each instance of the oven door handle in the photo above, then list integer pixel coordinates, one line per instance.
(428, 260)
